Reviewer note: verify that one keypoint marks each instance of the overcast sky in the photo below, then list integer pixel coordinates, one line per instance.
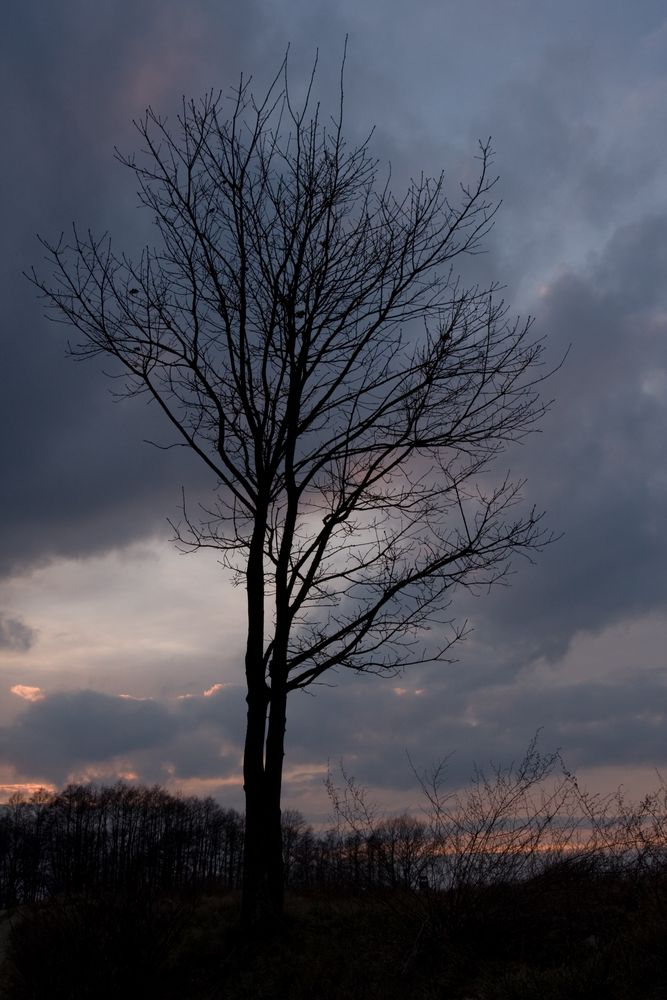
(118, 655)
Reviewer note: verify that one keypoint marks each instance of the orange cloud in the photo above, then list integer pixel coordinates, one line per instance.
(27, 692)
(25, 789)
(209, 692)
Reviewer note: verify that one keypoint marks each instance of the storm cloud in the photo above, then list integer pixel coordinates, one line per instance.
(574, 98)
(61, 735)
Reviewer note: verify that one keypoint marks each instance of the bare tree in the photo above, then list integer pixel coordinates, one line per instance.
(302, 329)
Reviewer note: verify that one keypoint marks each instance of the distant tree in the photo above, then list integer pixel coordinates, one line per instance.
(303, 332)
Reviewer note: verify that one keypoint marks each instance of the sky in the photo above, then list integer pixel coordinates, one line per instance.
(120, 656)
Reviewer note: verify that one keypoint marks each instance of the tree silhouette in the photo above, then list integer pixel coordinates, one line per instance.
(303, 331)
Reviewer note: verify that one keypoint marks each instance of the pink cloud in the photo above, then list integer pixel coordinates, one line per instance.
(25, 789)
(27, 692)
(209, 692)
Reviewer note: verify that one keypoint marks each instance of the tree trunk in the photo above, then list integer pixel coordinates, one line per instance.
(275, 752)
(263, 868)
(255, 896)
(257, 905)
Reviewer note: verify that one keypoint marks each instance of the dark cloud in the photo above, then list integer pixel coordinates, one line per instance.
(378, 728)
(67, 731)
(77, 477)
(377, 732)
(15, 634)
(600, 723)
(81, 479)
(598, 467)
(575, 102)
(62, 732)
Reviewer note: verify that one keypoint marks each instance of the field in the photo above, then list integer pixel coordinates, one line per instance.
(571, 932)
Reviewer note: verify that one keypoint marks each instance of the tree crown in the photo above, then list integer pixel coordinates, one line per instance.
(304, 331)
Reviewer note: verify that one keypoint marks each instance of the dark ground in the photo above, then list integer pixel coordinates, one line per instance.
(569, 933)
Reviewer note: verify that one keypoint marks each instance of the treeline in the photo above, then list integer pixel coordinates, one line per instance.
(114, 838)
(509, 825)
(136, 838)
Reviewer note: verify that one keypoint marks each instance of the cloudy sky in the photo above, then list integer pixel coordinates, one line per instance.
(120, 656)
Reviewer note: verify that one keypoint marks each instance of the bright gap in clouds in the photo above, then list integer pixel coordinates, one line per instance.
(143, 624)
(145, 621)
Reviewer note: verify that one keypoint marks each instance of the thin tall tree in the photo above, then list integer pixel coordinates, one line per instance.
(303, 330)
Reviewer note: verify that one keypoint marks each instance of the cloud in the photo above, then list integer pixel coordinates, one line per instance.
(77, 477)
(27, 692)
(463, 709)
(213, 690)
(64, 733)
(582, 242)
(74, 732)
(598, 466)
(15, 635)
